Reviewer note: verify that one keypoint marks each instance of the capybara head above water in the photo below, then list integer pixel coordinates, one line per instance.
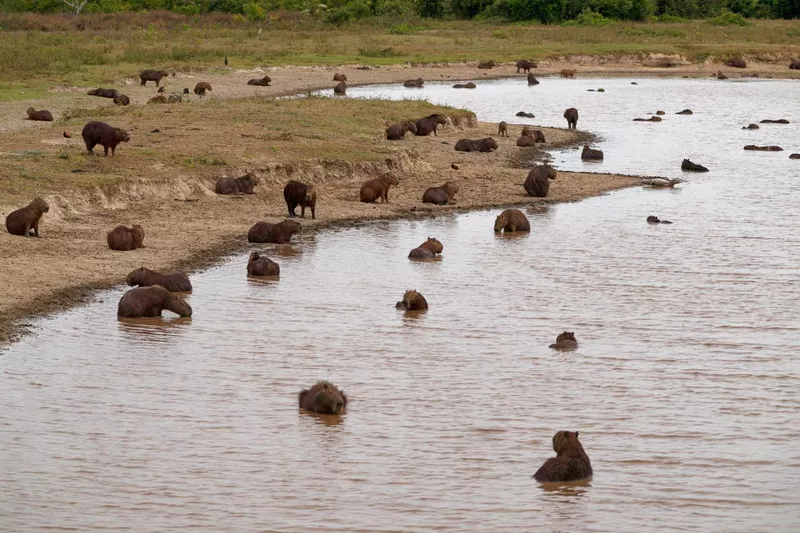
(588, 154)
(532, 79)
(571, 115)
(202, 87)
(468, 85)
(241, 185)
(261, 265)
(511, 220)
(323, 397)
(261, 82)
(25, 219)
(296, 193)
(565, 342)
(96, 132)
(340, 88)
(43, 115)
(417, 83)
(172, 281)
(398, 130)
(125, 239)
(280, 233)
(152, 75)
(376, 188)
(571, 462)
(339, 77)
(427, 250)
(150, 301)
(412, 301)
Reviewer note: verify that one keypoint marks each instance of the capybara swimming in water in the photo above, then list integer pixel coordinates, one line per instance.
(280, 233)
(172, 281)
(537, 184)
(571, 115)
(150, 301)
(339, 77)
(511, 220)
(260, 265)
(469, 85)
(398, 130)
(480, 145)
(532, 79)
(417, 83)
(651, 119)
(652, 219)
(444, 194)
(378, 188)
(152, 75)
(323, 397)
(103, 93)
(296, 193)
(429, 124)
(763, 148)
(122, 99)
(685, 112)
(412, 301)
(125, 239)
(524, 114)
(794, 156)
(526, 65)
(261, 82)
(502, 129)
(774, 121)
(242, 185)
(202, 87)
(571, 462)
(751, 127)
(568, 73)
(96, 132)
(43, 115)
(565, 342)
(693, 167)
(340, 88)
(427, 250)
(588, 154)
(736, 62)
(25, 219)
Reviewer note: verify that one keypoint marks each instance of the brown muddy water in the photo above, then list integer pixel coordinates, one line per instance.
(684, 388)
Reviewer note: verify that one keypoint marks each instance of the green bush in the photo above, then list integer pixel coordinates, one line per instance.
(254, 12)
(726, 18)
(591, 18)
(355, 10)
(403, 29)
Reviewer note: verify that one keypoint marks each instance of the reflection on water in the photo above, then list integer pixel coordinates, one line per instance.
(684, 387)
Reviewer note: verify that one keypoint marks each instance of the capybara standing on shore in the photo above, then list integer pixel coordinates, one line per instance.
(511, 220)
(96, 132)
(537, 184)
(429, 124)
(444, 194)
(376, 188)
(103, 93)
(152, 75)
(201, 88)
(172, 281)
(340, 88)
(242, 185)
(565, 342)
(43, 115)
(526, 65)
(125, 239)
(398, 130)
(280, 233)
(296, 193)
(261, 82)
(571, 115)
(150, 301)
(480, 145)
(427, 250)
(260, 265)
(412, 301)
(571, 462)
(323, 397)
(567, 73)
(502, 129)
(589, 154)
(23, 220)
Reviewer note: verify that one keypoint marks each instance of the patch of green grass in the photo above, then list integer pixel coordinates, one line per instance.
(17, 91)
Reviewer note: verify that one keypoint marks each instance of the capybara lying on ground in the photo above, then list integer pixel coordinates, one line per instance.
(43, 115)
(485, 65)
(242, 185)
(25, 219)
(296, 193)
(567, 73)
(736, 62)
(480, 145)
(571, 115)
(651, 119)
(763, 148)
(260, 265)
(280, 233)
(591, 155)
(529, 137)
(152, 75)
(774, 121)
(261, 82)
(96, 132)
(340, 88)
(122, 99)
(339, 77)
(692, 167)
(427, 250)
(565, 342)
(323, 397)
(751, 127)
(103, 93)
(685, 112)
(172, 281)
(795, 64)
(398, 130)
(532, 79)
(526, 65)
(150, 301)
(571, 462)
(537, 184)
(417, 83)
(511, 220)
(125, 239)
(429, 124)
(652, 219)
(412, 301)
(444, 194)
(502, 129)
(376, 188)
(469, 85)
(201, 88)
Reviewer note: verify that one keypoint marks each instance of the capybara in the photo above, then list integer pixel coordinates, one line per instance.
(485, 65)
(589, 154)
(526, 115)
(568, 73)
(444, 194)
(651, 119)
(340, 88)
(795, 64)
(339, 77)
(692, 167)
(398, 130)
(571, 462)
(103, 93)
(158, 99)
(502, 129)
(427, 250)
(685, 112)
(152, 75)
(261, 82)
(186, 91)
(96, 132)
(429, 124)
(172, 281)
(736, 62)
(511, 220)
(532, 79)
(125, 239)
(122, 99)
(376, 188)
(468, 85)
(242, 185)
(529, 137)
(571, 115)
(202, 87)
(537, 184)
(526, 141)
(417, 83)
(661, 112)
(565, 342)
(774, 121)
(296, 193)
(280, 233)
(260, 265)
(652, 219)
(480, 145)
(42, 115)
(412, 301)
(526, 65)
(162, 89)
(23, 220)
(323, 397)
(763, 148)
(794, 156)
(721, 76)
(150, 301)
(751, 127)
(174, 98)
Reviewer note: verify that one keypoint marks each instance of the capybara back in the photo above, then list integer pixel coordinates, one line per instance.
(124, 239)
(172, 281)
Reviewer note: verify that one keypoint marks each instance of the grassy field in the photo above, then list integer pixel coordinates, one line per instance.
(43, 51)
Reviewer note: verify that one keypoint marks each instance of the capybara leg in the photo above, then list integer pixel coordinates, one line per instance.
(302, 211)
(105, 150)
(144, 82)
(36, 228)
(291, 206)
(313, 214)
(27, 231)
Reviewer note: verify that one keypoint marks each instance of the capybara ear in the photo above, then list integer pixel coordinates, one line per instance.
(576, 434)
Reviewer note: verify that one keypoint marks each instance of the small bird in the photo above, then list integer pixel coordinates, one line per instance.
(453, 166)
(185, 90)
(67, 135)
(226, 61)
(161, 89)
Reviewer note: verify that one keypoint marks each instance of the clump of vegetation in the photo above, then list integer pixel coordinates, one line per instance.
(726, 18)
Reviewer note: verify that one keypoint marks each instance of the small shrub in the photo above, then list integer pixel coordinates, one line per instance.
(669, 19)
(355, 10)
(726, 18)
(592, 18)
(254, 12)
(403, 29)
